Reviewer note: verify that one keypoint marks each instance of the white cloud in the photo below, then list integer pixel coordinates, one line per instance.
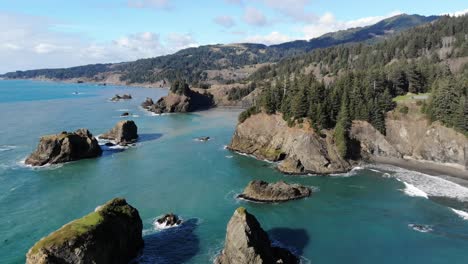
(457, 13)
(225, 21)
(156, 4)
(328, 23)
(29, 42)
(254, 17)
(294, 9)
(272, 38)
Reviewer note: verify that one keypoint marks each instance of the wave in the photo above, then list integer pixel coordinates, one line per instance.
(6, 148)
(350, 173)
(123, 110)
(413, 191)
(229, 156)
(431, 185)
(47, 166)
(460, 213)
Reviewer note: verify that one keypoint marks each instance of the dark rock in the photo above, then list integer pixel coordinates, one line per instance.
(188, 101)
(147, 103)
(65, 147)
(109, 144)
(247, 242)
(124, 132)
(260, 191)
(118, 97)
(169, 220)
(110, 234)
(125, 114)
(203, 138)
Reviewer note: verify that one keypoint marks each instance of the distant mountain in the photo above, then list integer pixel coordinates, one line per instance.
(220, 63)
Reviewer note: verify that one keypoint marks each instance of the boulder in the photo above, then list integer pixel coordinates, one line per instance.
(124, 132)
(110, 234)
(147, 103)
(260, 191)
(125, 114)
(247, 243)
(180, 103)
(169, 220)
(203, 138)
(65, 147)
(118, 97)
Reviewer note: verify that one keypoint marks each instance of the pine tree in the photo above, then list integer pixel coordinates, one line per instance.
(342, 128)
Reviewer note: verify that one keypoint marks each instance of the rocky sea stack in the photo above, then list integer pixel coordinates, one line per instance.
(124, 132)
(181, 99)
(110, 234)
(65, 147)
(118, 97)
(169, 220)
(260, 191)
(247, 243)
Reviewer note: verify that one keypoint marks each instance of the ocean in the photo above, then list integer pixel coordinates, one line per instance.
(373, 214)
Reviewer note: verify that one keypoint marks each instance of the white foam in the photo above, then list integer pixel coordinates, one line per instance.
(421, 228)
(162, 226)
(6, 148)
(229, 156)
(374, 170)
(123, 110)
(460, 213)
(413, 191)
(47, 166)
(430, 185)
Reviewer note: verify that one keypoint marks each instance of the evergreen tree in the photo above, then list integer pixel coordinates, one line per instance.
(342, 128)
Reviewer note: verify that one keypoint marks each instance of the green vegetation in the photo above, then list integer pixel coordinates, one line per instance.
(237, 93)
(70, 230)
(180, 87)
(247, 113)
(404, 110)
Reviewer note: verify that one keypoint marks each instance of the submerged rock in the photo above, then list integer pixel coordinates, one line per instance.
(260, 191)
(247, 243)
(125, 114)
(125, 132)
(110, 234)
(203, 138)
(118, 97)
(169, 220)
(65, 147)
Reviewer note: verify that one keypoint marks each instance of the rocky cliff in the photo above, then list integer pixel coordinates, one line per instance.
(188, 101)
(261, 191)
(110, 234)
(411, 136)
(247, 243)
(65, 147)
(298, 149)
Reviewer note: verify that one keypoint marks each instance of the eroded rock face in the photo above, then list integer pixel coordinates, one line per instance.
(298, 150)
(247, 243)
(180, 103)
(110, 234)
(261, 191)
(65, 147)
(413, 137)
(124, 132)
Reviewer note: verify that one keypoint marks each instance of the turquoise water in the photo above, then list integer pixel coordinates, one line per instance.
(361, 217)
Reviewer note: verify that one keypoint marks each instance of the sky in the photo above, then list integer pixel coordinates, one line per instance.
(62, 33)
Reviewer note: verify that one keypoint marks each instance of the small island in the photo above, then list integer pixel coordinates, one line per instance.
(261, 191)
(124, 132)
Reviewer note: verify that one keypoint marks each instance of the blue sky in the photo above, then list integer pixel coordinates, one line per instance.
(62, 33)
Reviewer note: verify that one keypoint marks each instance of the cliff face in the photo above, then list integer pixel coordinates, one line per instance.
(110, 234)
(298, 150)
(413, 137)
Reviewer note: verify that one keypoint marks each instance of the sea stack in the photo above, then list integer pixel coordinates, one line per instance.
(110, 234)
(65, 147)
(118, 97)
(247, 243)
(124, 132)
(260, 191)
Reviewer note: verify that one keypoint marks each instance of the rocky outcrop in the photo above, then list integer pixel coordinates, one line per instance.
(110, 234)
(413, 137)
(125, 132)
(118, 97)
(260, 191)
(298, 149)
(180, 103)
(65, 147)
(169, 220)
(247, 243)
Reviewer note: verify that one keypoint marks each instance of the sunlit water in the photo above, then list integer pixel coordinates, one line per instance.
(371, 215)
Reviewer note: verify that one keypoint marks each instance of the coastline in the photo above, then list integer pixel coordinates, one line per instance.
(90, 82)
(439, 170)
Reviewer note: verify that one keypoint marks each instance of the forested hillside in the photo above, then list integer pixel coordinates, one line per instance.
(333, 86)
(194, 64)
